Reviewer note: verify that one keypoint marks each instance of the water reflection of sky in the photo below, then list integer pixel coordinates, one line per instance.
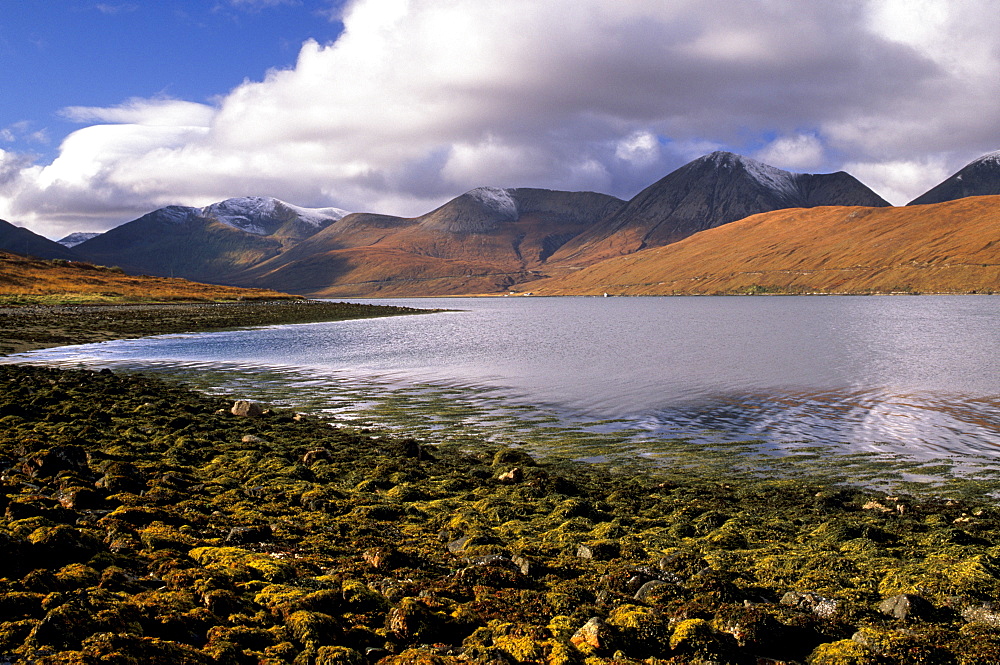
(918, 375)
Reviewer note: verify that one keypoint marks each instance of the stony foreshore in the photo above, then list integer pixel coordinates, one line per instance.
(40, 326)
(146, 523)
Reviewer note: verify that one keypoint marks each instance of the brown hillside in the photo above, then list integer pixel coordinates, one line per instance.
(35, 280)
(951, 247)
(468, 245)
(385, 272)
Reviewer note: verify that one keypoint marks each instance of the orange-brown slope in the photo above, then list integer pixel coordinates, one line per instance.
(384, 272)
(951, 247)
(37, 280)
(482, 241)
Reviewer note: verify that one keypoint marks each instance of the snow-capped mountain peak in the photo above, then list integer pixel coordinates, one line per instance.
(74, 239)
(498, 199)
(261, 215)
(989, 158)
(769, 177)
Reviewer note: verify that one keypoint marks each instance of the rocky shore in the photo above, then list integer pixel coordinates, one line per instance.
(146, 523)
(39, 326)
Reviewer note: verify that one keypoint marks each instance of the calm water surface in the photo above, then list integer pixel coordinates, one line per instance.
(916, 375)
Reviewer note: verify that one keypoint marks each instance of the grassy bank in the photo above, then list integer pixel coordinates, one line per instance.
(144, 522)
(30, 327)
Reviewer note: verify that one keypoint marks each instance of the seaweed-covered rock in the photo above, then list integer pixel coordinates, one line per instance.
(412, 620)
(696, 639)
(55, 460)
(125, 649)
(812, 602)
(253, 564)
(60, 544)
(244, 535)
(193, 536)
(335, 655)
(843, 652)
(598, 549)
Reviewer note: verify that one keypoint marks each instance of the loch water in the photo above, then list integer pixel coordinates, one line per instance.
(915, 376)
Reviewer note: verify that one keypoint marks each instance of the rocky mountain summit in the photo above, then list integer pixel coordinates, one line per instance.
(711, 191)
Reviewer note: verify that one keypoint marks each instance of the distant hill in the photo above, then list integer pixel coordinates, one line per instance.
(980, 177)
(708, 192)
(22, 241)
(207, 244)
(26, 280)
(74, 239)
(951, 247)
(481, 241)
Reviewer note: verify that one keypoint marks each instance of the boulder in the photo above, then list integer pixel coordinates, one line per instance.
(906, 606)
(593, 634)
(247, 409)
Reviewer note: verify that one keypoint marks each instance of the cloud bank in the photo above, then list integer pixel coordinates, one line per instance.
(420, 100)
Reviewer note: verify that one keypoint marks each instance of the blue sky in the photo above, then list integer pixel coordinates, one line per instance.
(112, 109)
(62, 53)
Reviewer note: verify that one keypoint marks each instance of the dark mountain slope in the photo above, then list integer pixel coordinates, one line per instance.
(981, 177)
(22, 241)
(710, 191)
(951, 247)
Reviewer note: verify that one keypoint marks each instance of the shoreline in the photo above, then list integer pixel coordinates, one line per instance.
(32, 327)
(144, 520)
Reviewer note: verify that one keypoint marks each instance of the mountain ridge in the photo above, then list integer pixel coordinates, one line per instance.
(486, 240)
(949, 247)
(980, 177)
(208, 244)
(713, 190)
(24, 242)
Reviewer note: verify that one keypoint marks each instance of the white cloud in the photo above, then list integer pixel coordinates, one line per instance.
(641, 148)
(900, 181)
(419, 100)
(163, 112)
(798, 153)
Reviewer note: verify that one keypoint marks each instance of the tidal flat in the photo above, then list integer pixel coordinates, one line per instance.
(147, 522)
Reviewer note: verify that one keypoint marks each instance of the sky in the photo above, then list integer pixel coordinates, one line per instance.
(113, 109)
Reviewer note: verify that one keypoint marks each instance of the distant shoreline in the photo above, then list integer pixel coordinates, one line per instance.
(33, 327)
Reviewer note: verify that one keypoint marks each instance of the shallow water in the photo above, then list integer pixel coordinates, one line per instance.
(917, 377)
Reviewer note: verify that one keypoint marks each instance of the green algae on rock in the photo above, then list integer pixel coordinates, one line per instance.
(145, 522)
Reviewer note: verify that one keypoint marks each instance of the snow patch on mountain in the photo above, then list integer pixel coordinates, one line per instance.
(992, 158)
(775, 179)
(496, 199)
(252, 213)
(783, 183)
(316, 216)
(175, 214)
(74, 239)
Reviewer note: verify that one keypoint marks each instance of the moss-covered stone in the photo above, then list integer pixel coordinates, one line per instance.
(283, 540)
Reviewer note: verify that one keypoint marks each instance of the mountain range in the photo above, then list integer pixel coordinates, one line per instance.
(950, 247)
(492, 240)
